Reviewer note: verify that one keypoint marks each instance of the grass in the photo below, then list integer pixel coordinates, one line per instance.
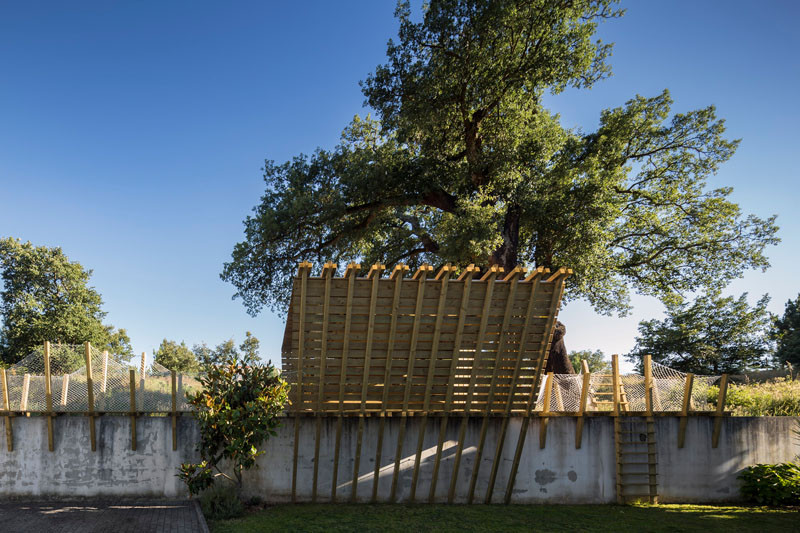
(779, 397)
(572, 518)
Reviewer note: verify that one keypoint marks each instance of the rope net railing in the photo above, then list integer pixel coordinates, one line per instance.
(668, 386)
(25, 383)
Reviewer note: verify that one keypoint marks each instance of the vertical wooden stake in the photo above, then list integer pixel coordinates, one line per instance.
(615, 382)
(303, 272)
(26, 385)
(64, 389)
(548, 387)
(90, 395)
(687, 403)
(142, 376)
(648, 385)
(587, 380)
(174, 410)
(7, 409)
(48, 394)
(104, 382)
(133, 409)
(723, 391)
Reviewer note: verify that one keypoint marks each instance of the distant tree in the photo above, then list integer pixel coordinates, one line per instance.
(227, 350)
(596, 360)
(175, 356)
(47, 297)
(250, 347)
(712, 335)
(463, 163)
(786, 332)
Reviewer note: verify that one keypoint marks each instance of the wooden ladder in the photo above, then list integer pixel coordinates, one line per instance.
(637, 461)
(602, 395)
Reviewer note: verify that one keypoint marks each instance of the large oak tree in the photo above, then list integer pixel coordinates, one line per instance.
(463, 164)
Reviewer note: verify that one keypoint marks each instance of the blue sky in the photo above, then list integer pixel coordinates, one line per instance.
(132, 134)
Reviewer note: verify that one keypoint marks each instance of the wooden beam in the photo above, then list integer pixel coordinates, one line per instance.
(723, 392)
(511, 278)
(587, 380)
(548, 387)
(48, 395)
(351, 271)
(174, 383)
(328, 271)
(558, 278)
(443, 277)
(133, 409)
(465, 277)
(7, 409)
(648, 385)
(397, 275)
(303, 271)
(615, 383)
(90, 394)
(687, 403)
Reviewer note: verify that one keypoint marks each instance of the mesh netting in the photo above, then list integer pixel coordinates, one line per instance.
(111, 383)
(668, 390)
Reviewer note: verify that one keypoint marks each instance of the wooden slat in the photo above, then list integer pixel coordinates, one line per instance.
(133, 408)
(587, 380)
(90, 394)
(48, 394)
(328, 270)
(687, 403)
(723, 392)
(303, 272)
(7, 409)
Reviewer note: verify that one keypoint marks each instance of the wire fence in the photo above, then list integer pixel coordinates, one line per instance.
(116, 386)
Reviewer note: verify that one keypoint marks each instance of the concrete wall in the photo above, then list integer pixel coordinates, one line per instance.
(557, 474)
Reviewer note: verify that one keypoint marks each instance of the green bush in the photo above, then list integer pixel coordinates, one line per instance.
(779, 397)
(221, 502)
(772, 484)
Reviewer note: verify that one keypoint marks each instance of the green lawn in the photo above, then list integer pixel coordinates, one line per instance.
(413, 518)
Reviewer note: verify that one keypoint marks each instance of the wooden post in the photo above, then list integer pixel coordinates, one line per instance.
(687, 403)
(648, 385)
(174, 410)
(105, 380)
(397, 276)
(23, 400)
(7, 409)
(133, 409)
(302, 272)
(142, 374)
(90, 394)
(328, 270)
(48, 395)
(64, 389)
(587, 381)
(723, 391)
(548, 387)
(615, 382)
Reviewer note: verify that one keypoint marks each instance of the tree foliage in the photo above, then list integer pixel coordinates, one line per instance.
(237, 409)
(463, 164)
(174, 356)
(47, 297)
(248, 350)
(712, 335)
(595, 359)
(786, 332)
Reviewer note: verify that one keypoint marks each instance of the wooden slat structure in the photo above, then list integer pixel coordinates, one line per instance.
(350, 349)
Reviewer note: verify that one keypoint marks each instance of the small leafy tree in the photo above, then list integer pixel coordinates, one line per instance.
(175, 356)
(237, 410)
(595, 359)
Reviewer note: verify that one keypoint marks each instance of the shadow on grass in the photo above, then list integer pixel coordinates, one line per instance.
(412, 518)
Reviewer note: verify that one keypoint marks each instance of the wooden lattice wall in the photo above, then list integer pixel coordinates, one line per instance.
(423, 343)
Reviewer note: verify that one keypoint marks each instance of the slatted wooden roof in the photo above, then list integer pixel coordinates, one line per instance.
(423, 343)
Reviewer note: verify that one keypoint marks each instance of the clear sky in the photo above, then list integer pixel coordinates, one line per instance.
(132, 134)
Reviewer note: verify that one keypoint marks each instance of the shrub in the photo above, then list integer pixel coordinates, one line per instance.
(767, 484)
(221, 503)
(779, 397)
(236, 409)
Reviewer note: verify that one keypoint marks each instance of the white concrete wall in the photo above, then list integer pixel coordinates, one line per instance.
(557, 474)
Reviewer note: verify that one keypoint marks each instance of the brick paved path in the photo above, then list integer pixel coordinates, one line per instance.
(104, 516)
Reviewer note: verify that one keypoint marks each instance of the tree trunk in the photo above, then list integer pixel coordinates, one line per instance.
(558, 359)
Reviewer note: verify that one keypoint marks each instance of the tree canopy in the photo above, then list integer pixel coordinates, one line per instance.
(462, 164)
(247, 351)
(786, 332)
(711, 335)
(595, 359)
(47, 297)
(174, 356)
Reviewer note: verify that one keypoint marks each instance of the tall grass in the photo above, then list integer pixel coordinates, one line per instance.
(779, 397)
